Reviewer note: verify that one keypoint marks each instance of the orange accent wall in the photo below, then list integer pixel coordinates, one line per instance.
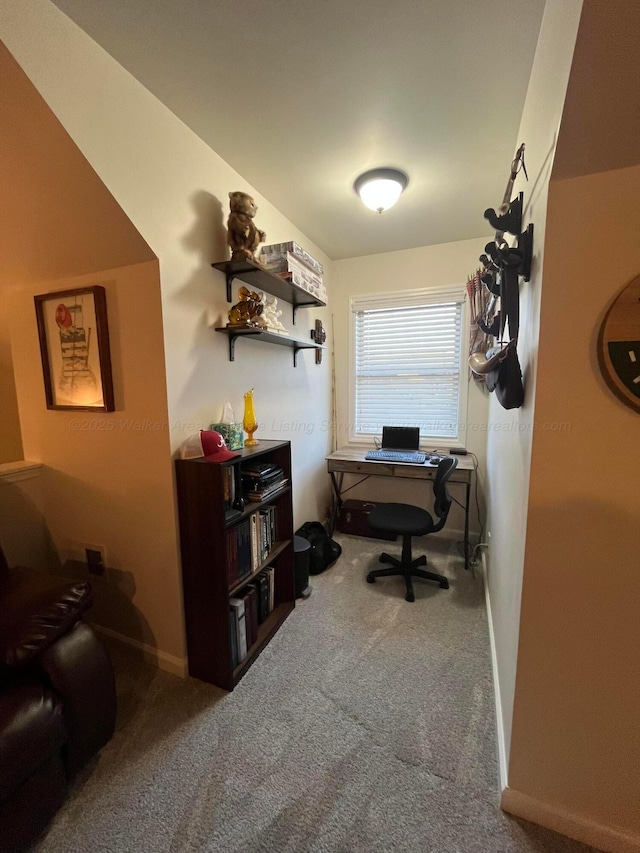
(577, 700)
(108, 476)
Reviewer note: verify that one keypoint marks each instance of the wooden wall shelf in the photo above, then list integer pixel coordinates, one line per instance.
(259, 279)
(268, 337)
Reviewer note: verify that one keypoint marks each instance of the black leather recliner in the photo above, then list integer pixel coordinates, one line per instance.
(57, 697)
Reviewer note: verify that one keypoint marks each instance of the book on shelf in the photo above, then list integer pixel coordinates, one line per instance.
(237, 606)
(233, 636)
(229, 494)
(264, 533)
(251, 601)
(267, 492)
(262, 582)
(294, 249)
(253, 482)
(260, 470)
(228, 486)
(290, 269)
(255, 551)
(239, 552)
(271, 575)
(249, 544)
(303, 281)
(289, 263)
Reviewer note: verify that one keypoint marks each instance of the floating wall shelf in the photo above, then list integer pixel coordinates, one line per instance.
(268, 337)
(259, 279)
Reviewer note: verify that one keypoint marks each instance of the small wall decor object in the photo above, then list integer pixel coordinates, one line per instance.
(247, 311)
(319, 335)
(619, 346)
(249, 421)
(271, 314)
(74, 346)
(242, 235)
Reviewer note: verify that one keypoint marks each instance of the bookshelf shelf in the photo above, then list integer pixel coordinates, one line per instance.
(214, 549)
(266, 631)
(276, 549)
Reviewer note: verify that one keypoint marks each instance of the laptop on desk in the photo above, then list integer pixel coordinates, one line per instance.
(399, 444)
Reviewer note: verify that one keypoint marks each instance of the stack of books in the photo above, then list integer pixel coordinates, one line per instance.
(261, 480)
(249, 543)
(294, 264)
(247, 610)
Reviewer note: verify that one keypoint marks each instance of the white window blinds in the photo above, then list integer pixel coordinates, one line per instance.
(408, 367)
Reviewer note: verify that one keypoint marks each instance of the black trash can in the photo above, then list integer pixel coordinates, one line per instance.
(301, 550)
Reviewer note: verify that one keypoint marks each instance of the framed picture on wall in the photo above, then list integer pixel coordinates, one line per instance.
(74, 345)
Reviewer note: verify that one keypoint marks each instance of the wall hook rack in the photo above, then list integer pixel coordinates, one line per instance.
(525, 245)
(510, 222)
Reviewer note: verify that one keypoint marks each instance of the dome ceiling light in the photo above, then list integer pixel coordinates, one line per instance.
(380, 189)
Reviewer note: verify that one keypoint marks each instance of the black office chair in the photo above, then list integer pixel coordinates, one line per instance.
(407, 521)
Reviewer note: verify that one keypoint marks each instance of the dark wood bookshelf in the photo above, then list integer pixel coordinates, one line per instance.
(205, 562)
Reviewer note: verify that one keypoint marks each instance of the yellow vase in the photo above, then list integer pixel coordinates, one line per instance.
(249, 420)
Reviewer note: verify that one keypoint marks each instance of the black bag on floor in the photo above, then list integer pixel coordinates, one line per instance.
(324, 551)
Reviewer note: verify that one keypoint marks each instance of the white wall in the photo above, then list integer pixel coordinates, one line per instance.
(510, 440)
(429, 266)
(175, 191)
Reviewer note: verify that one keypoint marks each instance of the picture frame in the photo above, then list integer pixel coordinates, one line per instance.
(74, 347)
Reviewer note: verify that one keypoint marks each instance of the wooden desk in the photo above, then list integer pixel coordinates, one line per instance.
(347, 461)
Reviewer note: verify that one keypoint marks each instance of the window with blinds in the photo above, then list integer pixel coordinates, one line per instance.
(408, 362)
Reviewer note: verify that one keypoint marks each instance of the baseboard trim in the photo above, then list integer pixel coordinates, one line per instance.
(164, 661)
(574, 826)
(502, 744)
(12, 472)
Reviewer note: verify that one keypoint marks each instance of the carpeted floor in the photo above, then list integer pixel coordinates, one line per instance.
(366, 725)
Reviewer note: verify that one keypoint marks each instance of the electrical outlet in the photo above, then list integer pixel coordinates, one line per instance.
(95, 561)
(78, 552)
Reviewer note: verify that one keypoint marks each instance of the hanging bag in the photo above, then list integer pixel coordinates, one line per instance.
(324, 550)
(506, 378)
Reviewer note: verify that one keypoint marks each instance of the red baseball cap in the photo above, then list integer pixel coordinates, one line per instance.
(207, 444)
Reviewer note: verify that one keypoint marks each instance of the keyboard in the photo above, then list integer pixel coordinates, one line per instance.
(414, 456)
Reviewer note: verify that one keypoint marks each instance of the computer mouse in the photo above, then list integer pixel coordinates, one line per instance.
(435, 460)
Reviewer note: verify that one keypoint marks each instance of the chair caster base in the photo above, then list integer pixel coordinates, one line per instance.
(409, 597)
(371, 578)
(444, 584)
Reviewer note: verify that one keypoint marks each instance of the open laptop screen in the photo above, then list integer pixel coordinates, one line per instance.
(400, 438)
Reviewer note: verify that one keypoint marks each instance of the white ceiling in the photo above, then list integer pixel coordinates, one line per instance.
(301, 97)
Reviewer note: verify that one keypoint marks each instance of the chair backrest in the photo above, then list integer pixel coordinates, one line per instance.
(442, 497)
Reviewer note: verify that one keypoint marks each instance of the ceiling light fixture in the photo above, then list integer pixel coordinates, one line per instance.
(380, 189)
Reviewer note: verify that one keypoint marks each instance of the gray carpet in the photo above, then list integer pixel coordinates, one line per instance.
(366, 725)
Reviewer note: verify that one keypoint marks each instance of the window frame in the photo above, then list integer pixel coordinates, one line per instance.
(391, 299)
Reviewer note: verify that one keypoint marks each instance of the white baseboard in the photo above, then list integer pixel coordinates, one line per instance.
(575, 826)
(502, 745)
(167, 663)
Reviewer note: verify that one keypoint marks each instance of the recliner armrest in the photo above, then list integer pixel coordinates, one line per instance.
(35, 612)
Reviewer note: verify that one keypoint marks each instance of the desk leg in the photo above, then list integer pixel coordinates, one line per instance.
(337, 502)
(467, 544)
